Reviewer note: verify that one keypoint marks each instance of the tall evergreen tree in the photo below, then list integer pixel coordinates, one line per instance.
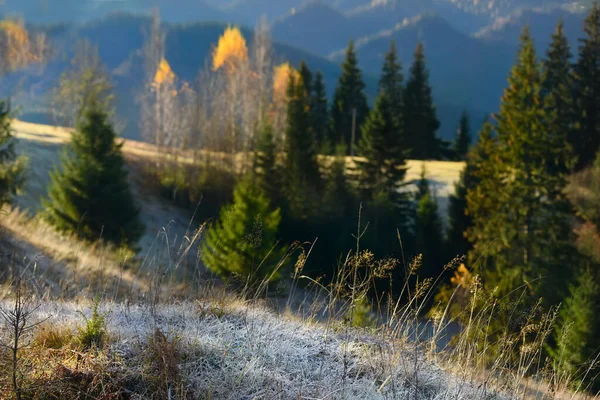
(303, 178)
(242, 243)
(307, 78)
(349, 98)
(577, 335)
(429, 231)
(383, 164)
(519, 204)
(459, 221)
(585, 138)
(463, 137)
(12, 168)
(320, 114)
(90, 195)
(265, 166)
(557, 84)
(421, 123)
(391, 82)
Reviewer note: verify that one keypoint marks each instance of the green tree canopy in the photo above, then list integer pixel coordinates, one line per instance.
(89, 195)
(242, 243)
(349, 97)
(421, 123)
(12, 168)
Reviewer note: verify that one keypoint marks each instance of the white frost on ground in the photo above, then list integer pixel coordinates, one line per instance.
(248, 352)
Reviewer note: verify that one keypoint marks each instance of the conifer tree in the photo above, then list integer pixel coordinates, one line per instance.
(338, 196)
(429, 231)
(463, 137)
(265, 166)
(349, 97)
(557, 84)
(391, 82)
(421, 123)
(12, 168)
(320, 114)
(459, 221)
(585, 138)
(90, 195)
(519, 204)
(242, 243)
(577, 335)
(307, 78)
(303, 179)
(383, 164)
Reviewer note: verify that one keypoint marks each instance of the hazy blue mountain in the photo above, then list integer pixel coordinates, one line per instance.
(119, 38)
(317, 28)
(542, 23)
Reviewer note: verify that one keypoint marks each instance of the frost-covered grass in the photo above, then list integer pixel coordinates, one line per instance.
(244, 351)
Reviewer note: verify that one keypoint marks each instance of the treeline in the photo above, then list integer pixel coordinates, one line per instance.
(519, 216)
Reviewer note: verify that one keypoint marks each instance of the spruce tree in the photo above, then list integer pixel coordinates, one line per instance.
(577, 335)
(12, 168)
(303, 179)
(520, 213)
(90, 195)
(267, 172)
(585, 138)
(242, 243)
(320, 114)
(391, 83)
(463, 137)
(383, 165)
(429, 232)
(420, 120)
(349, 97)
(307, 78)
(459, 221)
(557, 84)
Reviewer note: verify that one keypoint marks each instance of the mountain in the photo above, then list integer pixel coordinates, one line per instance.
(466, 73)
(316, 27)
(68, 11)
(541, 22)
(119, 38)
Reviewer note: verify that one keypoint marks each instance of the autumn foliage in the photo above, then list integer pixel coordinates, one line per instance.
(230, 51)
(164, 74)
(15, 46)
(281, 80)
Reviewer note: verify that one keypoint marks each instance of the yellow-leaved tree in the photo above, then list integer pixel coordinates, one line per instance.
(15, 46)
(281, 79)
(230, 51)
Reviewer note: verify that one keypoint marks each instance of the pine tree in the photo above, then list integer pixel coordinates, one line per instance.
(429, 231)
(303, 179)
(12, 168)
(577, 335)
(90, 195)
(338, 197)
(421, 123)
(349, 98)
(320, 114)
(556, 86)
(383, 164)
(519, 204)
(459, 221)
(391, 83)
(267, 172)
(585, 138)
(307, 78)
(463, 138)
(242, 243)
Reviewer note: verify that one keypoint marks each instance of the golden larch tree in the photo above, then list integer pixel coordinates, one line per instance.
(230, 51)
